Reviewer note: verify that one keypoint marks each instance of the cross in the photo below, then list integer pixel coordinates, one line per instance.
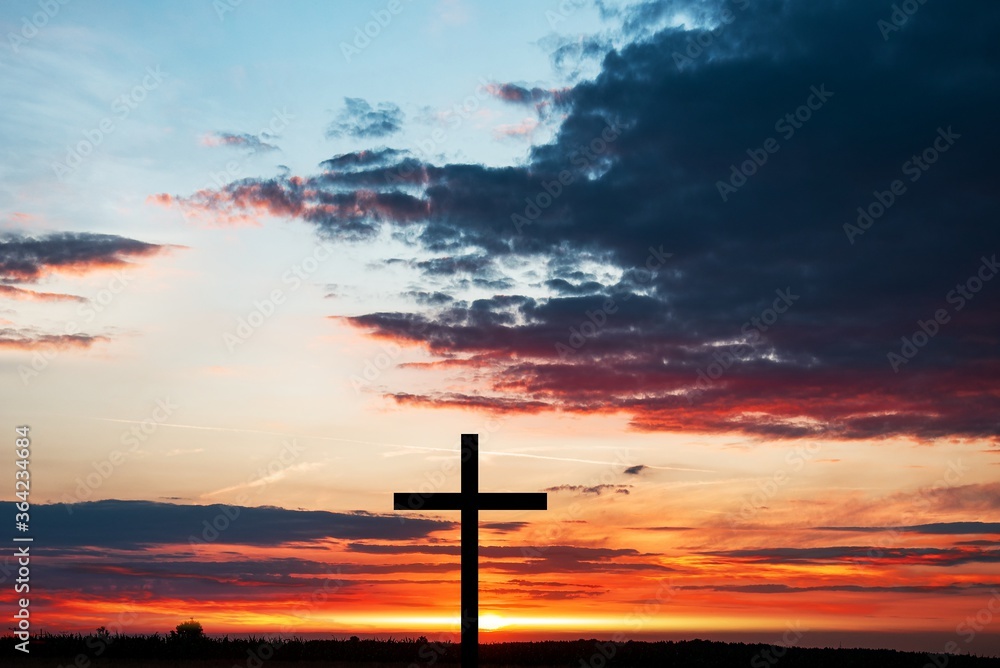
(470, 501)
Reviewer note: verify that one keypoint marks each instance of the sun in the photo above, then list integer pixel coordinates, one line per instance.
(491, 622)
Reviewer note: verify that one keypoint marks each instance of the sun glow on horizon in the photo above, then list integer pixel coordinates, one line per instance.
(491, 622)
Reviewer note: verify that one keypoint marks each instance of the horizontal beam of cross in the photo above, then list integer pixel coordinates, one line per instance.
(482, 501)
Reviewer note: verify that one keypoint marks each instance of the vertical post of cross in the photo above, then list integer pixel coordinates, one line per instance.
(470, 550)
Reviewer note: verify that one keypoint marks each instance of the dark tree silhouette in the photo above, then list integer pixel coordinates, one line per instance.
(188, 631)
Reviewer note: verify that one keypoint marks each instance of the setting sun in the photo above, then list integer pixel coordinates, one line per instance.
(491, 622)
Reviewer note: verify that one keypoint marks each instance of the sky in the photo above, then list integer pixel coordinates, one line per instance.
(717, 276)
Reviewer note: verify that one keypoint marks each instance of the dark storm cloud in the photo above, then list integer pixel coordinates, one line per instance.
(746, 303)
(429, 298)
(26, 258)
(136, 524)
(449, 266)
(360, 120)
(572, 55)
(563, 287)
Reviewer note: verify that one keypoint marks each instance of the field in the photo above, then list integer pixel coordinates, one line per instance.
(159, 651)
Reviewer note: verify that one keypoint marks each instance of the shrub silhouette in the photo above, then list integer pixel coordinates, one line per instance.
(189, 631)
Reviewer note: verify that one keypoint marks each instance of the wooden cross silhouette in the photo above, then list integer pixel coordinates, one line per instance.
(470, 501)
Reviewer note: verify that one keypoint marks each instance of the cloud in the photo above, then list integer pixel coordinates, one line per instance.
(281, 474)
(11, 292)
(922, 556)
(683, 333)
(981, 497)
(26, 259)
(504, 527)
(596, 490)
(31, 339)
(509, 92)
(523, 130)
(940, 528)
(238, 140)
(788, 589)
(359, 120)
(543, 100)
(425, 298)
(361, 159)
(453, 550)
(117, 524)
(166, 553)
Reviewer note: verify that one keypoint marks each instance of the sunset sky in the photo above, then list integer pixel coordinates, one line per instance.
(718, 276)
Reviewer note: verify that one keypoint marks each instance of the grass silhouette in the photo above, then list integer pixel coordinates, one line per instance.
(104, 650)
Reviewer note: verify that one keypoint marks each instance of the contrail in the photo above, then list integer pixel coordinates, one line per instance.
(422, 448)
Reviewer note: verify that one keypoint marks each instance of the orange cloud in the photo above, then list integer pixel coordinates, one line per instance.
(20, 339)
(11, 292)
(525, 129)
